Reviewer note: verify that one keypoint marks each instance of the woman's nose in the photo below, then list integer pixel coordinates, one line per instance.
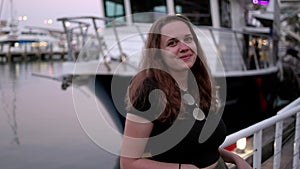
(183, 46)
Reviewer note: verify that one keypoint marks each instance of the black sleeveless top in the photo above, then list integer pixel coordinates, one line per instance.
(181, 144)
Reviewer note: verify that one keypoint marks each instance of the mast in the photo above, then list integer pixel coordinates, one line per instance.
(1, 8)
(11, 11)
(12, 22)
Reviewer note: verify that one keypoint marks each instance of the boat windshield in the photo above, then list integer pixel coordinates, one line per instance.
(116, 9)
(198, 11)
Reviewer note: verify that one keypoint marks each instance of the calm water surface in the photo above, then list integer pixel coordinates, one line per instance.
(38, 124)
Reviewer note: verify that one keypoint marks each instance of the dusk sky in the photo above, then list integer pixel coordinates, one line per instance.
(37, 11)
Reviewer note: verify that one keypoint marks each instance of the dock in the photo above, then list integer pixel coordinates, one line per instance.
(36, 55)
(11, 57)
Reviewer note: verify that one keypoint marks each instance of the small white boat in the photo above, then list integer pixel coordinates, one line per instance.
(28, 42)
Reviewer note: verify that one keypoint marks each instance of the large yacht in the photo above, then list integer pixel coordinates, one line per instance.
(243, 61)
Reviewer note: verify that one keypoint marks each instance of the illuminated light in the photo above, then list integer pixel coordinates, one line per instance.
(22, 18)
(265, 42)
(260, 40)
(16, 44)
(84, 28)
(43, 44)
(68, 24)
(50, 21)
(35, 44)
(241, 145)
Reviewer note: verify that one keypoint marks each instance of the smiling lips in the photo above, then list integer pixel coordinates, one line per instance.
(185, 57)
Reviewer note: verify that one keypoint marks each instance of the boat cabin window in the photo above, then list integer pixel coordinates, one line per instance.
(140, 8)
(114, 9)
(198, 11)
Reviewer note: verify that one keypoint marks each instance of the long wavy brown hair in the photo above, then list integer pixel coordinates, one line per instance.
(152, 59)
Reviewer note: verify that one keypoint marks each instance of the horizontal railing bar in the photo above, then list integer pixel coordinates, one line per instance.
(83, 17)
(228, 30)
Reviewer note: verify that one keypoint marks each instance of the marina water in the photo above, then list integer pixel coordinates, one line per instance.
(38, 123)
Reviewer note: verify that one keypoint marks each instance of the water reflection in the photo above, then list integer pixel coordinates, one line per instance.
(8, 104)
(38, 124)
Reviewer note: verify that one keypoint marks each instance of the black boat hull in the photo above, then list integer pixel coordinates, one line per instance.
(249, 99)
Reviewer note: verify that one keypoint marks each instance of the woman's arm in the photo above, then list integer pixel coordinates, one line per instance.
(233, 158)
(136, 133)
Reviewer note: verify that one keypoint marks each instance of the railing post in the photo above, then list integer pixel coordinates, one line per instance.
(101, 52)
(257, 149)
(277, 145)
(296, 142)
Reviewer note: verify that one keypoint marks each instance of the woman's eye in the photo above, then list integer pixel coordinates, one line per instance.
(188, 39)
(172, 43)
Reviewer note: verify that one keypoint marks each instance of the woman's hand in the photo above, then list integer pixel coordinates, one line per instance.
(242, 164)
(233, 158)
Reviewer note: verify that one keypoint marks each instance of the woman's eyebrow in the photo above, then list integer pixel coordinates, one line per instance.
(172, 38)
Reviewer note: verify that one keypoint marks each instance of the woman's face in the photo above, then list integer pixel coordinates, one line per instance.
(178, 46)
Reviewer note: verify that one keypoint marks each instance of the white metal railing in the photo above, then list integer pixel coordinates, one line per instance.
(236, 55)
(256, 130)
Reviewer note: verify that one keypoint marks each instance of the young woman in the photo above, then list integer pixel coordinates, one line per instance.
(168, 103)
